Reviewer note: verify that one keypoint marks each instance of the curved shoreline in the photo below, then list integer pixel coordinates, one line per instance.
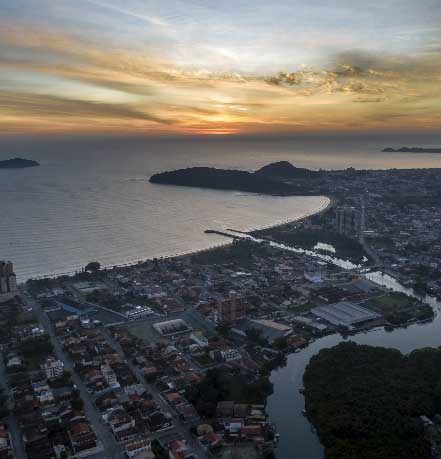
(328, 202)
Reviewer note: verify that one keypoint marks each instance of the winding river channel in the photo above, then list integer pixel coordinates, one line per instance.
(298, 439)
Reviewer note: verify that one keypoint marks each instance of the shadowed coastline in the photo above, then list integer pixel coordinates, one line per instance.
(279, 179)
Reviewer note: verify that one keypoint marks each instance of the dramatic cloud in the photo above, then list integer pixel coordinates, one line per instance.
(57, 80)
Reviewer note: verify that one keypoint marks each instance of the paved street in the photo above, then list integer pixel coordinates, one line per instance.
(14, 429)
(112, 449)
(179, 427)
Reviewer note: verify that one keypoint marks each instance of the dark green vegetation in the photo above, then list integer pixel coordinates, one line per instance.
(158, 450)
(35, 351)
(345, 247)
(412, 150)
(240, 252)
(4, 410)
(106, 299)
(398, 308)
(285, 170)
(256, 336)
(223, 385)
(92, 267)
(365, 401)
(12, 314)
(17, 163)
(225, 179)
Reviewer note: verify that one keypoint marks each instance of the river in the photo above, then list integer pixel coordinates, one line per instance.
(297, 437)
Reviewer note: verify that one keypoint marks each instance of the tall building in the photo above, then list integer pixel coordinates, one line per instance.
(8, 281)
(348, 221)
(231, 309)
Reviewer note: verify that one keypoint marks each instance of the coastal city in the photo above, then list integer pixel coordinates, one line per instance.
(220, 229)
(170, 358)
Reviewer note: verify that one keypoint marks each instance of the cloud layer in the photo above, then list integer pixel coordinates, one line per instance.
(52, 80)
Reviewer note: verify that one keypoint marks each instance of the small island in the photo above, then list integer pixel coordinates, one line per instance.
(374, 403)
(264, 181)
(17, 163)
(411, 150)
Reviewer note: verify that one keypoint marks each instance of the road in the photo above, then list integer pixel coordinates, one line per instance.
(179, 426)
(112, 449)
(13, 427)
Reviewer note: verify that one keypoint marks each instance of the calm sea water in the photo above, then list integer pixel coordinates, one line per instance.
(91, 200)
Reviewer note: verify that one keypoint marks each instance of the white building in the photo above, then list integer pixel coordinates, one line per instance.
(120, 421)
(228, 355)
(110, 376)
(53, 368)
(137, 312)
(139, 449)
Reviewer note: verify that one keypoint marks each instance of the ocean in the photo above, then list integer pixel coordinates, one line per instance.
(91, 200)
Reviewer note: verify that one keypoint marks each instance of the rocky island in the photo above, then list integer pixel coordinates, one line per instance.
(265, 180)
(285, 170)
(17, 163)
(411, 150)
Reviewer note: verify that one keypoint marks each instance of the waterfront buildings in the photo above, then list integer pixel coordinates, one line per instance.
(271, 330)
(344, 314)
(8, 281)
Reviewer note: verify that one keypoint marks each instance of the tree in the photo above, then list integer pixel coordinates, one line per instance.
(4, 411)
(77, 404)
(92, 267)
(281, 343)
(364, 400)
(256, 336)
(158, 450)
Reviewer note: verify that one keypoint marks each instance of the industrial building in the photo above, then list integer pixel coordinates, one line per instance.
(270, 330)
(344, 314)
(172, 327)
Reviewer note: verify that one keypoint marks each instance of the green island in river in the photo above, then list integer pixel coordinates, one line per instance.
(374, 403)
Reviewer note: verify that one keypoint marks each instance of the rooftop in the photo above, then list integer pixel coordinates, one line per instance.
(344, 313)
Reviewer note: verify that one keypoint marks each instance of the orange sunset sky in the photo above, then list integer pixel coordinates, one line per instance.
(219, 67)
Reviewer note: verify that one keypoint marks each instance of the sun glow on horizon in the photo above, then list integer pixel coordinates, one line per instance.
(115, 67)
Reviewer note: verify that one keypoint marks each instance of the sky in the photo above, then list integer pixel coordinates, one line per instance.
(204, 67)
